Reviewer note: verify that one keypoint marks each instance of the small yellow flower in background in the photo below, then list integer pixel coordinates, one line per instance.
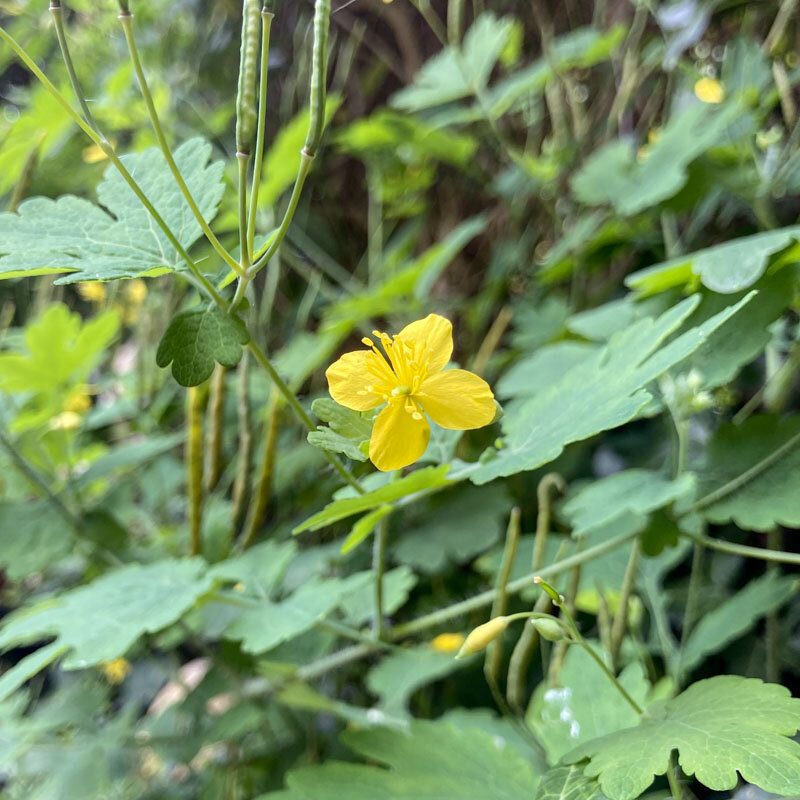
(410, 379)
(93, 291)
(78, 402)
(93, 154)
(67, 421)
(115, 671)
(709, 90)
(135, 291)
(447, 642)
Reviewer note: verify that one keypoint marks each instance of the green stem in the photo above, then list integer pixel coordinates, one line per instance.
(126, 19)
(693, 596)
(30, 472)
(105, 146)
(262, 259)
(298, 409)
(672, 777)
(491, 666)
(434, 23)
(773, 629)
(620, 688)
(621, 618)
(762, 553)
(244, 246)
(266, 26)
(740, 480)
(486, 598)
(378, 569)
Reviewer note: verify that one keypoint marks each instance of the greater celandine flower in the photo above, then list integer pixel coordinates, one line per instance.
(411, 380)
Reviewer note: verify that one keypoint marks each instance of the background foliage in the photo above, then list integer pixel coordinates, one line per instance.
(603, 197)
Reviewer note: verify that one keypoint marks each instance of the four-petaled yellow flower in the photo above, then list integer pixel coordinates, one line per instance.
(410, 379)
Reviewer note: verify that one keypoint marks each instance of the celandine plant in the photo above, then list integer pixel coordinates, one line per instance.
(192, 640)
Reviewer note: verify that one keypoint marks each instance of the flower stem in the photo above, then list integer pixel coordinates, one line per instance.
(672, 777)
(621, 617)
(266, 26)
(261, 357)
(620, 688)
(126, 19)
(244, 247)
(378, 569)
(762, 553)
(106, 147)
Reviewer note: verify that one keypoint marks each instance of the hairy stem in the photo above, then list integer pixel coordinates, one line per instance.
(378, 570)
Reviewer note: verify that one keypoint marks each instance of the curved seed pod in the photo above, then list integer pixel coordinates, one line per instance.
(241, 483)
(195, 402)
(259, 503)
(216, 406)
(319, 76)
(246, 106)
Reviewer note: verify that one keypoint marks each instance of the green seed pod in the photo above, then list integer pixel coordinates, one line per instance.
(216, 406)
(319, 76)
(260, 502)
(549, 629)
(195, 402)
(246, 108)
(241, 484)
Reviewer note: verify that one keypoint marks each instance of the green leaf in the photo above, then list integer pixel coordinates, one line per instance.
(402, 672)
(35, 537)
(101, 621)
(769, 497)
(637, 491)
(432, 760)
(454, 73)
(467, 522)
(347, 430)
(737, 343)
(735, 616)
(614, 176)
(725, 268)
(357, 604)
(29, 666)
(128, 455)
(268, 624)
(117, 238)
(719, 726)
(61, 350)
(364, 527)
(419, 481)
(259, 569)
(602, 392)
(196, 339)
(568, 783)
(584, 705)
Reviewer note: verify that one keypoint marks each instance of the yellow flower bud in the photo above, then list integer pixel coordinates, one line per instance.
(482, 636)
(447, 642)
(549, 629)
(93, 291)
(135, 291)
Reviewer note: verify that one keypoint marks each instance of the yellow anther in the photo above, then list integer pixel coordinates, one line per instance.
(368, 342)
(417, 416)
(400, 390)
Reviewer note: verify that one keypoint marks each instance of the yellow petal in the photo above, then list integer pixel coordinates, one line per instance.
(457, 399)
(397, 438)
(351, 382)
(435, 334)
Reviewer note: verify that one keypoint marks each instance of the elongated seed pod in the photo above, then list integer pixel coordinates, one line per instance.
(241, 483)
(260, 501)
(216, 407)
(246, 106)
(319, 76)
(195, 400)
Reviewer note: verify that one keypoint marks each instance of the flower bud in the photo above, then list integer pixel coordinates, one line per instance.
(549, 629)
(482, 636)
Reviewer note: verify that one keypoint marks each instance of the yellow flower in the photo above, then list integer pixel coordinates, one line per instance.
(447, 642)
(709, 90)
(78, 401)
(482, 636)
(93, 291)
(115, 671)
(410, 379)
